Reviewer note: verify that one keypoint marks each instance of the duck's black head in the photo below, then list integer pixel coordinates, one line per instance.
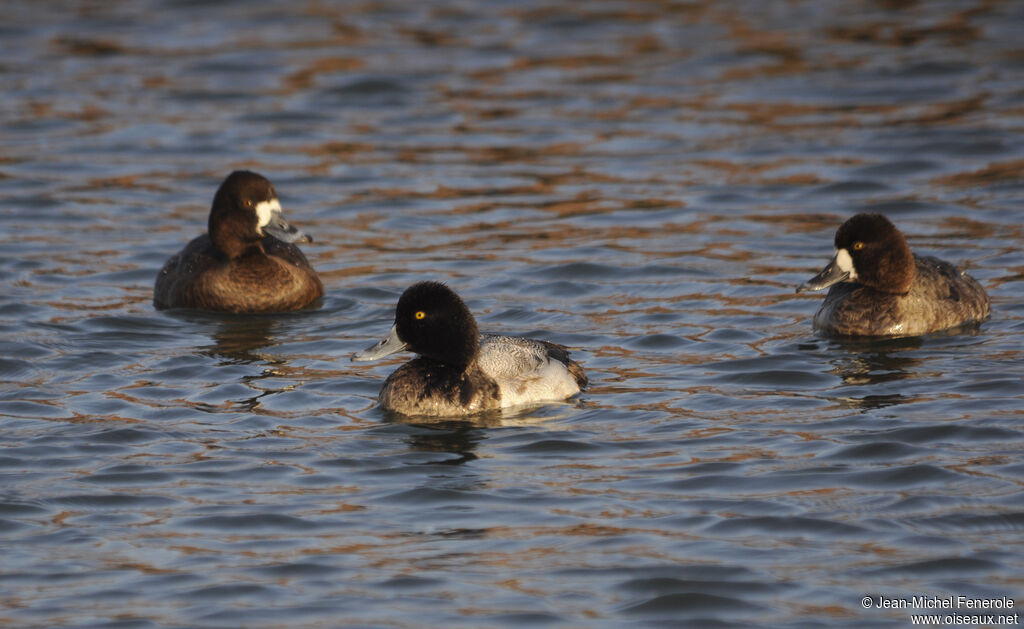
(869, 251)
(246, 209)
(435, 323)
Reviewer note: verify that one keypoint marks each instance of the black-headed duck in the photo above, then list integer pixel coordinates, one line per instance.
(457, 371)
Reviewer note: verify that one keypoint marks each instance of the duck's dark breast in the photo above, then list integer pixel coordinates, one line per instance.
(425, 387)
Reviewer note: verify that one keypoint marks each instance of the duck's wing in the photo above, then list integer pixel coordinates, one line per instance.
(955, 296)
(176, 277)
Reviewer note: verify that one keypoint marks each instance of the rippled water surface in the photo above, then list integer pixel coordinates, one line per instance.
(645, 182)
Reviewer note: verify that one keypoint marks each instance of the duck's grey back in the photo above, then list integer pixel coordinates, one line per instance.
(528, 370)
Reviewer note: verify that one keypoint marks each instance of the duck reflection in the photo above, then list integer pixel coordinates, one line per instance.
(870, 365)
(450, 437)
(461, 436)
(875, 362)
(238, 339)
(879, 364)
(242, 340)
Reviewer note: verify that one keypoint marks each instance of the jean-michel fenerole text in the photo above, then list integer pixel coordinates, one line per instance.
(943, 602)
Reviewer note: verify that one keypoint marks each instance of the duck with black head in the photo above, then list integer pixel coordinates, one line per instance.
(879, 287)
(247, 262)
(459, 372)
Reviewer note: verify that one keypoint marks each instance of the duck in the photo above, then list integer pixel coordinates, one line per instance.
(458, 371)
(879, 287)
(247, 262)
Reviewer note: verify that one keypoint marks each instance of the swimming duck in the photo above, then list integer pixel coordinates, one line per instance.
(880, 288)
(246, 262)
(458, 371)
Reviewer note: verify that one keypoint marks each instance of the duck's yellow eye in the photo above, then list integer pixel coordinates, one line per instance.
(420, 314)
(857, 246)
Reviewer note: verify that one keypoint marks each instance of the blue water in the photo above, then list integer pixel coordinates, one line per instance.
(644, 182)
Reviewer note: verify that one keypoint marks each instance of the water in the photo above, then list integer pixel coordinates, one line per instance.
(645, 182)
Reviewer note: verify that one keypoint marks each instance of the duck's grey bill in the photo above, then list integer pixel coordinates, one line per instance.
(284, 231)
(830, 275)
(390, 344)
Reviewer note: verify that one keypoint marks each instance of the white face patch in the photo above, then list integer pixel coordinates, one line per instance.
(265, 211)
(845, 263)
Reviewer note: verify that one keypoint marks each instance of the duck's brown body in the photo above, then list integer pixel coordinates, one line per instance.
(271, 277)
(940, 297)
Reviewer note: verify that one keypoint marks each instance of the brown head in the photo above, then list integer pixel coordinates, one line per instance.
(869, 251)
(245, 210)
